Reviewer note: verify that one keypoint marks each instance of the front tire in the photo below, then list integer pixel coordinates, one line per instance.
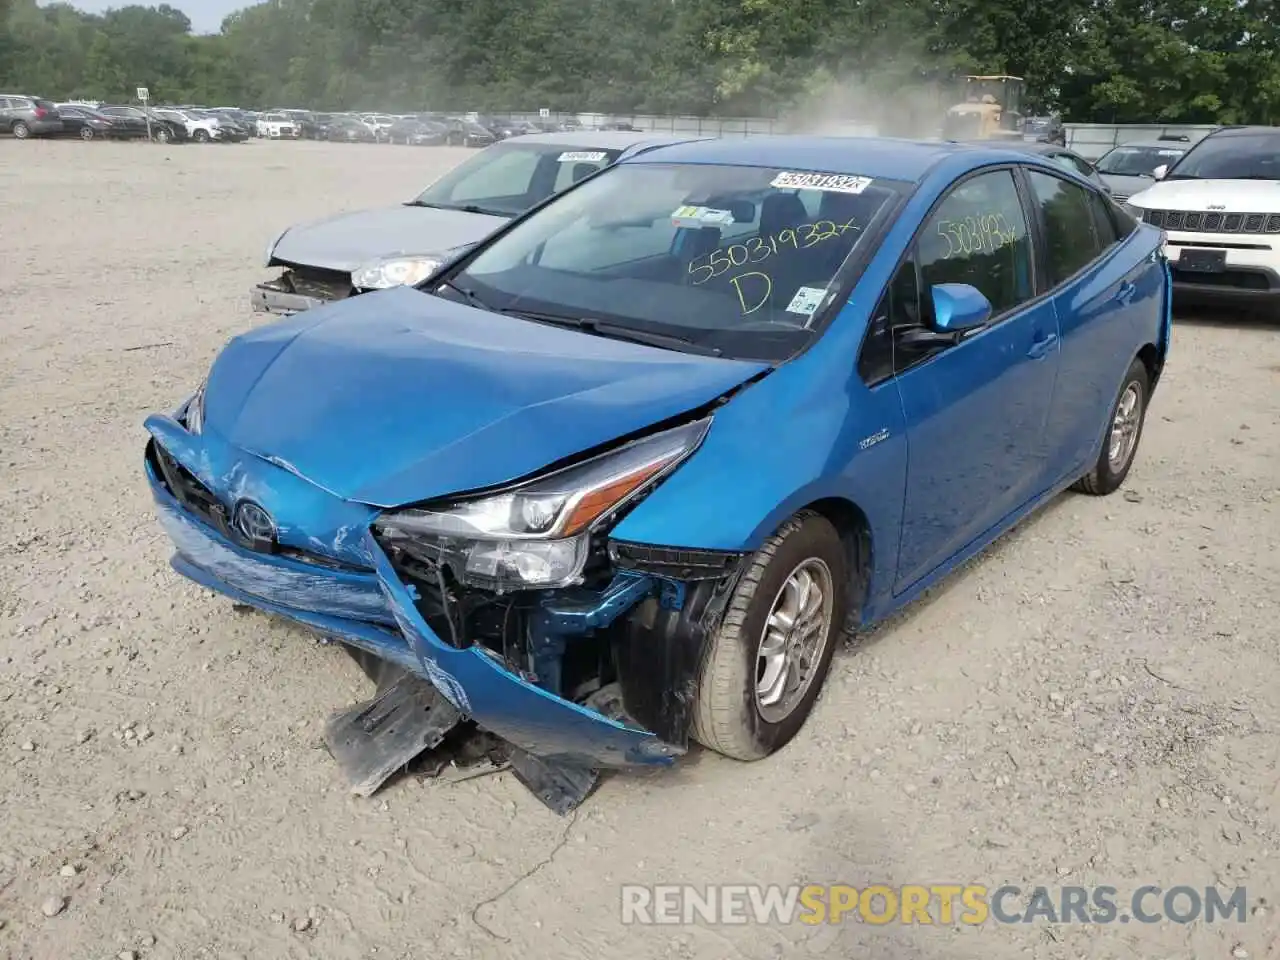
(86, 134)
(765, 664)
(162, 135)
(1120, 445)
(200, 136)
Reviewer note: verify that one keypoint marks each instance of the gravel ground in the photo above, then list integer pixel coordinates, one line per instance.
(1094, 701)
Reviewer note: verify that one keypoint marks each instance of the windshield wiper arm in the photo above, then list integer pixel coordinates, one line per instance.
(616, 331)
(464, 208)
(470, 295)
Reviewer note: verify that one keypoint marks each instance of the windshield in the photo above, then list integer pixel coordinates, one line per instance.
(1254, 156)
(1140, 161)
(509, 178)
(729, 259)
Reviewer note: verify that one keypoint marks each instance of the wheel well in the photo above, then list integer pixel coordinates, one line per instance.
(855, 533)
(1152, 360)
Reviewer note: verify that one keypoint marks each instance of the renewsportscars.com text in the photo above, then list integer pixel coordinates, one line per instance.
(945, 904)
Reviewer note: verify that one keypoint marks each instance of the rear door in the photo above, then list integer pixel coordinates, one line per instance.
(1103, 294)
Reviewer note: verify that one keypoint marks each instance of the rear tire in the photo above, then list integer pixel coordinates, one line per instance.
(162, 135)
(200, 136)
(21, 130)
(1120, 445)
(742, 710)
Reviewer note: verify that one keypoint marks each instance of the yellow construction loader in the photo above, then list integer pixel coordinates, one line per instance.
(991, 110)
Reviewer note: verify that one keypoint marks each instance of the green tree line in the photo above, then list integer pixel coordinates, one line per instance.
(1121, 61)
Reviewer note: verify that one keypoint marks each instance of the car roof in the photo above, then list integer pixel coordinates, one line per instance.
(886, 158)
(1154, 144)
(606, 139)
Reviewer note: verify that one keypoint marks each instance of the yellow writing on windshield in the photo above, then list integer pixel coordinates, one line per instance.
(759, 249)
(980, 234)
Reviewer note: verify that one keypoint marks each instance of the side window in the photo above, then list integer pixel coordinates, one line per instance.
(899, 308)
(1071, 235)
(978, 235)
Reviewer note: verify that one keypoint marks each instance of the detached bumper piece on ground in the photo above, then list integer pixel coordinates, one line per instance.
(533, 682)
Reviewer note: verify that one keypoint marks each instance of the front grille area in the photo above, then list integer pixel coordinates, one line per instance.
(319, 283)
(184, 487)
(1197, 222)
(200, 502)
(1240, 279)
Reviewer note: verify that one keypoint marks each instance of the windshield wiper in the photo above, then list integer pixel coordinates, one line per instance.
(615, 331)
(470, 295)
(464, 208)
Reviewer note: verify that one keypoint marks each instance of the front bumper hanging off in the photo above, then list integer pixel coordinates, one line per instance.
(374, 611)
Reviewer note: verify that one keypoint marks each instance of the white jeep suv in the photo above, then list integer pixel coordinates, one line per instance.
(1219, 205)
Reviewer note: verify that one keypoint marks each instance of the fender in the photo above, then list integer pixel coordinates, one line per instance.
(841, 440)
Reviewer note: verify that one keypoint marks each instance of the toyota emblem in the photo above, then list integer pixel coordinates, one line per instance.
(253, 523)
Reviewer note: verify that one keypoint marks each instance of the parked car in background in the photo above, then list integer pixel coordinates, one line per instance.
(514, 128)
(1048, 129)
(1219, 206)
(319, 127)
(200, 128)
(1130, 167)
(306, 123)
(379, 123)
(336, 257)
(87, 124)
(415, 132)
(618, 125)
(234, 130)
(278, 126)
(350, 130)
(163, 129)
(1067, 159)
(681, 473)
(26, 116)
(467, 133)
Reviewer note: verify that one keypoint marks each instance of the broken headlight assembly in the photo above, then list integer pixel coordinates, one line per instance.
(395, 272)
(192, 412)
(537, 535)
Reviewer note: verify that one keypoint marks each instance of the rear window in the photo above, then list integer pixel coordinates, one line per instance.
(46, 104)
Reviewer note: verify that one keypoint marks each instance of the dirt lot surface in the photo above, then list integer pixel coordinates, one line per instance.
(1095, 701)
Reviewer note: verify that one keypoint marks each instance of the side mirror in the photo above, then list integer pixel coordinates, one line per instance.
(958, 307)
(1159, 172)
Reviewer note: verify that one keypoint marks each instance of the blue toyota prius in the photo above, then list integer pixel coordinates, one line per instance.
(622, 474)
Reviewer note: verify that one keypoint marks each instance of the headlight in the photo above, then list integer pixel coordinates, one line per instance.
(395, 272)
(193, 415)
(537, 535)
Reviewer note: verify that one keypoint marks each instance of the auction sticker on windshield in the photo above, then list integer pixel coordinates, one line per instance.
(807, 300)
(835, 182)
(583, 156)
(700, 216)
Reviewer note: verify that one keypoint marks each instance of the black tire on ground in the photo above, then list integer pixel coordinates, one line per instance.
(86, 133)
(727, 716)
(162, 135)
(200, 136)
(1109, 472)
(21, 130)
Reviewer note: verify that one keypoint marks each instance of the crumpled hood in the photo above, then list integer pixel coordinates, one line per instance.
(1217, 196)
(398, 396)
(347, 241)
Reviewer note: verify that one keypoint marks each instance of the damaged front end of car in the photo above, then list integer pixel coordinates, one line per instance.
(510, 614)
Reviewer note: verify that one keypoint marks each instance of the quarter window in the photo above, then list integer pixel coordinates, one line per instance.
(978, 235)
(1071, 235)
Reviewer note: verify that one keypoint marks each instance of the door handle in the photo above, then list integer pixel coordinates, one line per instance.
(1125, 293)
(1041, 347)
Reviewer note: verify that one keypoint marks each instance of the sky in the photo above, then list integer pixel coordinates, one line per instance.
(205, 15)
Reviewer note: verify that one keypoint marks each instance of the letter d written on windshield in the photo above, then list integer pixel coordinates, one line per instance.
(753, 289)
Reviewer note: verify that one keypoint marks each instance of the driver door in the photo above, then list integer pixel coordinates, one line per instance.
(975, 411)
